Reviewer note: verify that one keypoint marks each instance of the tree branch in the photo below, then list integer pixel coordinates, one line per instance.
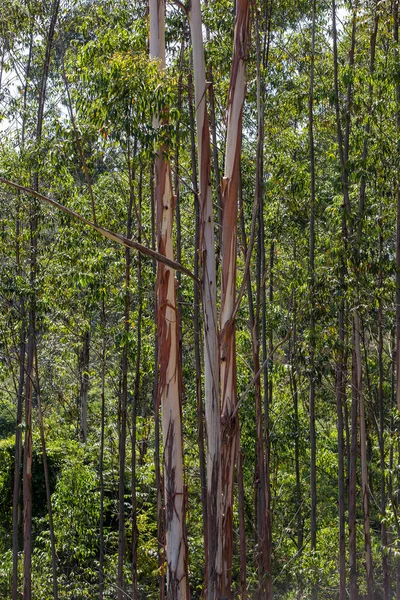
(115, 237)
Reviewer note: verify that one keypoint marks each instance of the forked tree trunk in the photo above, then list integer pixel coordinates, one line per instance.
(209, 287)
(169, 378)
(230, 189)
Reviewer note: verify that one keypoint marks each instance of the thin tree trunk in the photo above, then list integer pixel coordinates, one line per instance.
(123, 399)
(47, 482)
(22, 350)
(157, 460)
(27, 476)
(230, 189)
(384, 536)
(353, 480)
(397, 67)
(263, 492)
(27, 472)
(214, 139)
(135, 532)
(169, 380)
(197, 336)
(84, 357)
(357, 324)
(242, 528)
(340, 401)
(101, 460)
(300, 533)
(343, 149)
(313, 466)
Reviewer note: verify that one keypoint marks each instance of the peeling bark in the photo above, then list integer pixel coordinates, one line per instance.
(230, 190)
(208, 288)
(169, 378)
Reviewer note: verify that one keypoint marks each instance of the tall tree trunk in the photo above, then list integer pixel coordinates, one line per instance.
(340, 401)
(101, 460)
(230, 189)
(295, 392)
(27, 472)
(169, 380)
(123, 397)
(313, 466)
(263, 492)
(357, 324)
(22, 351)
(242, 528)
(157, 458)
(84, 357)
(353, 480)
(384, 536)
(47, 482)
(135, 404)
(343, 149)
(197, 336)
(209, 287)
(397, 67)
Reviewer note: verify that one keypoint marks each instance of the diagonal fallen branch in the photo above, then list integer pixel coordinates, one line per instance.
(115, 237)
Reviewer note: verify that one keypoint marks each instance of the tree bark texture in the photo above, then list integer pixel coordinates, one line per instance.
(209, 301)
(169, 377)
(230, 189)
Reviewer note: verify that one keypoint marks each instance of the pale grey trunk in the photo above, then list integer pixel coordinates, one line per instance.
(209, 287)
(230, 189)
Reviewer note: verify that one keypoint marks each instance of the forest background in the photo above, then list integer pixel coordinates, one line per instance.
(282, 229)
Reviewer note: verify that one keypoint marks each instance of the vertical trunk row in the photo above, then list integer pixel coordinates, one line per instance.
(169, 378)
(209, 289)
(230, 189)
